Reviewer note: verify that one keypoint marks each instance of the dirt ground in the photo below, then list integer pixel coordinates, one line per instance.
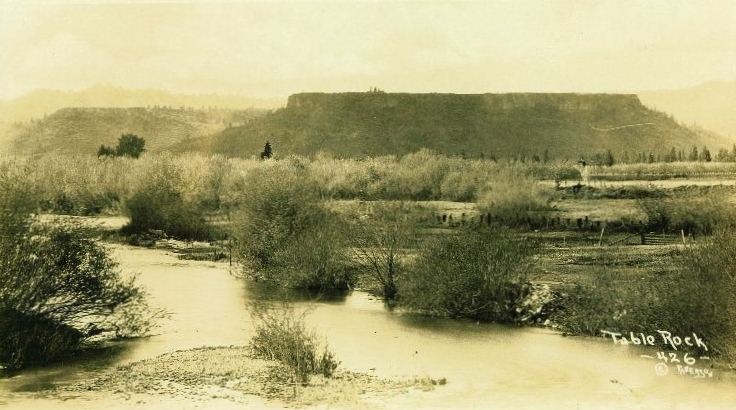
(229, 373)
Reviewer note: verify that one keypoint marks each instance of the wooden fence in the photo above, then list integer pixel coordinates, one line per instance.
(584, 224)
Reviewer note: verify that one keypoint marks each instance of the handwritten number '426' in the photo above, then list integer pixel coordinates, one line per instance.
(673, 358)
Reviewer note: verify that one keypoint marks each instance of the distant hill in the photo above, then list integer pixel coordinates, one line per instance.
(44, 102)
(711, 105)
(502, 125)
(83, 130)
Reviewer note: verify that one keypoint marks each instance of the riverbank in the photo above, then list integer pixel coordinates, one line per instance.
(207, 373)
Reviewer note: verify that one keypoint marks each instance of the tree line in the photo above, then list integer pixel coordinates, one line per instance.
(608, 158)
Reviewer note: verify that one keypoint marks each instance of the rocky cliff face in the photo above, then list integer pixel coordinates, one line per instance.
(567, 102)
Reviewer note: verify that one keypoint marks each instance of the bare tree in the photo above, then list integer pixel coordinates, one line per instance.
(380, 243)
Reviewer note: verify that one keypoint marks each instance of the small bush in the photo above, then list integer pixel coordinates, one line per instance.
(476, 274)
(281, 335)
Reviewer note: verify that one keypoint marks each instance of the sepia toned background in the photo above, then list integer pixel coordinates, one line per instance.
(364, 204)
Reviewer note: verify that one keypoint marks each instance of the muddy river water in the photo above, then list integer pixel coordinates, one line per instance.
(486, 366)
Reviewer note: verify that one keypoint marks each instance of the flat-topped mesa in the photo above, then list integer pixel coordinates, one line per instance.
(516, 125)
(569, 102)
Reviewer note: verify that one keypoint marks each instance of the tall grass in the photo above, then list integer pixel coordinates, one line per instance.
(86, 185)
(663, 170)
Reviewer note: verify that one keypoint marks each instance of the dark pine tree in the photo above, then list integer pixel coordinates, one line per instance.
(608, 158)
(130, 145)
(693, 154)
(105, 151)
(267, 151)
(706, 155)
(672, 156)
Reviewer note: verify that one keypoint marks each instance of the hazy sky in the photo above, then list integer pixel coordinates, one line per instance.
(275, 49)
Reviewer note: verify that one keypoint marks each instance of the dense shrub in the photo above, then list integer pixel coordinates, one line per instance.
(607, 302)
(698, 296)
(516, 199)
(129, 145)
(158, 202)
(701, 295)
(282, 335)
(58, 287)
(620, 192)
(79, 185)
(703, 214)
(86, 185)
(284, 234)
(34, 339)
(476, 274)
(315, 258)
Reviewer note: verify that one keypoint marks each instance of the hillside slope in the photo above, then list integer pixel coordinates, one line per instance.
(710, 105)
(356, 124)
(44, 102)
(83, 130)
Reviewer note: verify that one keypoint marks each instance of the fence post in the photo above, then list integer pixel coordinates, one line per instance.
(682, 232)
(600, 240)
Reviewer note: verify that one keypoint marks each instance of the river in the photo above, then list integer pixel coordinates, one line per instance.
(486, 366)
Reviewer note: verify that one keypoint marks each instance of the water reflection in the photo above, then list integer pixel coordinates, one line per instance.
(267, 292)
(485, 364)
(42, 378)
